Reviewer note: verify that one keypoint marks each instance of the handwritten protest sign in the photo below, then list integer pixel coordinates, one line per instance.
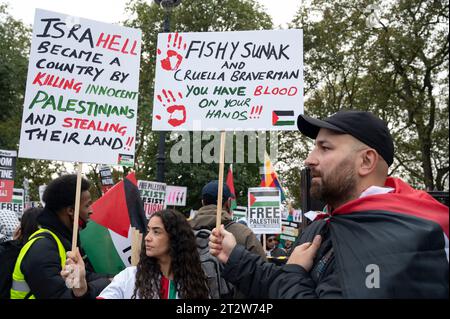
(264, 214)
(176, 195)
(153, 195)
(219, 81)
(82, 91)
(7, 174)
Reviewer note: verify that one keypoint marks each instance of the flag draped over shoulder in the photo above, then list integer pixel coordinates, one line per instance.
(270, 178)
(230, 184)
(107, 237)
(392, 245)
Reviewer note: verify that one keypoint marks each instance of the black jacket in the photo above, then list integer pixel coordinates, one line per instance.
(392, 245)
(259, 279)
(41, 265)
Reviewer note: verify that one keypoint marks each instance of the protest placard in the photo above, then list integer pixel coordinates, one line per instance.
(239, 212)
(82, 91)
(176, 195)
(16, 204)
(264, 214)
(106, 178)
(153, 195)
(7, 174)
(297, 215)
(228, 81)
(289, 230)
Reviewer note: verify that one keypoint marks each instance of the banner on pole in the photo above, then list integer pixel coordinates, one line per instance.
(153, 195)
(289, 230)
(264, 213)
(16, 204)
(176, 195)
(228, 81)
(106, 178)
(82, 91)
(239, 212)
(7, 174)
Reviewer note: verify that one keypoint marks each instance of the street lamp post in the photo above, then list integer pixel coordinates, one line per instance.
(167, 5)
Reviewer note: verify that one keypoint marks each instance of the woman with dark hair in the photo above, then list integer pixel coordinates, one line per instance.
(169, 265)
(28, 225)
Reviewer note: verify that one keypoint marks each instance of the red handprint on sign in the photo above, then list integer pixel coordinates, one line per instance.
(173, 58)
(174, 119)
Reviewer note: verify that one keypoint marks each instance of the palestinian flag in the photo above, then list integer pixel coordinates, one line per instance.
(168, 289)
(230, 184)
(264, 197)
(283, 118)
(17, 197)
(107, 237)
(403, 234)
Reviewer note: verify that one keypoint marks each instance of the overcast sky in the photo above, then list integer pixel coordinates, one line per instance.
(282, 11)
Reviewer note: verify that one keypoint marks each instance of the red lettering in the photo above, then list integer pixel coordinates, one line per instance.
(38, 78)
(67, 122)
(113, 42)
(257, 90)
(260, 90)
(133, 48)
(83, 124)
(292, 91)
(91, 125)
(125, 46)
(100, 40)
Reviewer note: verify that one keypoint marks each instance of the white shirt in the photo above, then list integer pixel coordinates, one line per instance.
(122, 286)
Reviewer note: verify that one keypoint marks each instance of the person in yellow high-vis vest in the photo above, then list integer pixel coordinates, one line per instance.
(37, 273)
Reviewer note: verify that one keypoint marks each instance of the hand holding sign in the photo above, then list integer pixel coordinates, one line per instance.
(74, 273)
(221, 243)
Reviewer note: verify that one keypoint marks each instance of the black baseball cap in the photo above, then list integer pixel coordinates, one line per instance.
(211, 190)
(364, 126)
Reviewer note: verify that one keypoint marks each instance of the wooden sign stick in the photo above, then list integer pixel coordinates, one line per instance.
(77, 208)
(264, 242)
(136, 244)
(220, 190)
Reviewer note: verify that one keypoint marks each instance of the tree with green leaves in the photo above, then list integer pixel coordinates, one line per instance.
(389, 57)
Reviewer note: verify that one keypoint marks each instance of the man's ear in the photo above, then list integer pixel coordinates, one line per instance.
(69, 211)
(368, 162)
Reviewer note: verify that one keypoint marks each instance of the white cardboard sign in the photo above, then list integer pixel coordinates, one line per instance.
(264, 211)
(153, 195)
(82, 91)
(233, 81)
(176, 195)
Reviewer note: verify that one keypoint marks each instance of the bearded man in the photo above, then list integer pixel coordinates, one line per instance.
(378, 237)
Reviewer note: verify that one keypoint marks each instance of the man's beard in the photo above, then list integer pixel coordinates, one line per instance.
(338, 186)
